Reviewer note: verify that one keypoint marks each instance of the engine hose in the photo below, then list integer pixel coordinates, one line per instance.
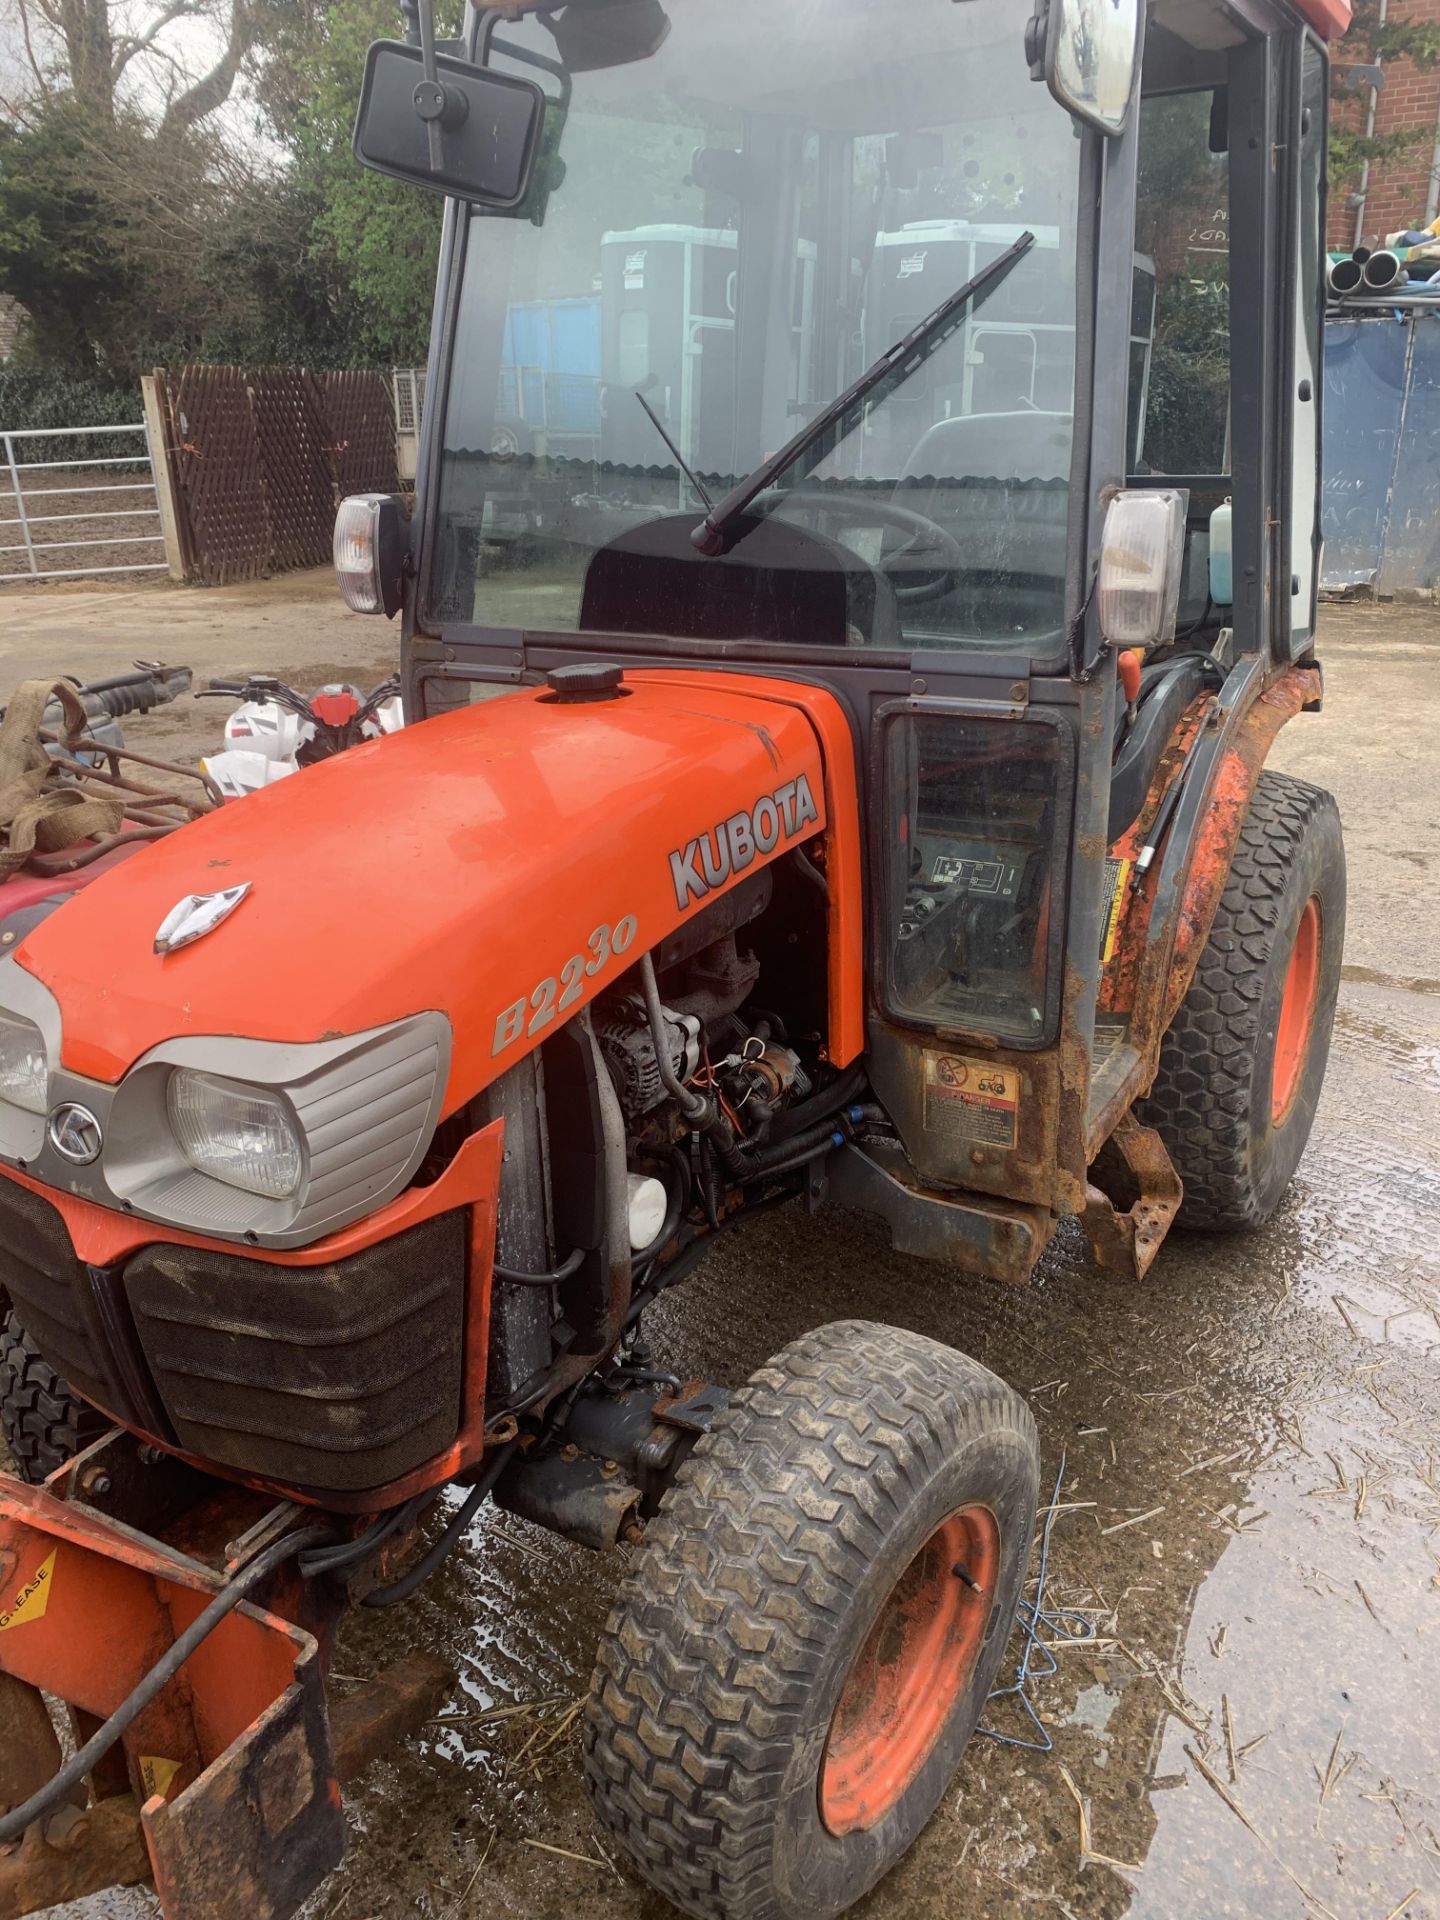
(570, 1265)
(63, 1784)
(696, 1109)
(780, 1155)
(807, 1113)
(408, 1583)
(802, 1153)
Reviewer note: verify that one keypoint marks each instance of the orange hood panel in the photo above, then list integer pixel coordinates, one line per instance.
(502, 865)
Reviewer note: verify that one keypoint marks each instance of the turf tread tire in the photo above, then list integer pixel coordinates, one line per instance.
(45, 1423)
(1210, 1102)
(719, 1634)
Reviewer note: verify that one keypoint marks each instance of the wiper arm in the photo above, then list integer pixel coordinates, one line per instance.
(922, 341)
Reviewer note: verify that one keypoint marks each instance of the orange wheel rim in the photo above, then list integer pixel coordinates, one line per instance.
(911, 1672)
(1297, 1013)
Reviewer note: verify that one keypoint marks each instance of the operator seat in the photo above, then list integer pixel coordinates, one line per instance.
(1000, 483)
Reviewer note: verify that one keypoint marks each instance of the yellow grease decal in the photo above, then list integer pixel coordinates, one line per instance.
(1119, 870)
(156, 1773)
(971, 1100)
(33, 1598)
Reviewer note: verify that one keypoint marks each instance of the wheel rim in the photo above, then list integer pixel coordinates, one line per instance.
(912, 1670)
(1297, 1013)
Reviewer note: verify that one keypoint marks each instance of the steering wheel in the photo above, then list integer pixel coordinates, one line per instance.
(922, 535)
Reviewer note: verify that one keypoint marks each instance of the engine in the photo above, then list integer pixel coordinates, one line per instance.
(747, 1067)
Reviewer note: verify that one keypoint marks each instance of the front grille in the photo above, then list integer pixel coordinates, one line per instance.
(50, 1291)
(342, 1377)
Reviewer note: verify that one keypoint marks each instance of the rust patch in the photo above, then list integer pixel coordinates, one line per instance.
(1127, 1241)
(102, 1848)
(1234, 783)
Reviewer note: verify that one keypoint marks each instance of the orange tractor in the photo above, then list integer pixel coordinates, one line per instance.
(838, 675)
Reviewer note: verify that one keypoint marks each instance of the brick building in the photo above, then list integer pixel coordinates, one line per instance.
(1404, 188)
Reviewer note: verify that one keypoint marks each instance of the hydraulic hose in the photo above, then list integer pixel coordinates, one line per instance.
(60, 1787)
(570, 1265)
(339, 1556)
(408, 1583)
(779, 1156)
(805, 1114)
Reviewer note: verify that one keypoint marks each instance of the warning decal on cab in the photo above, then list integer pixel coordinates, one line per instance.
(973, 1101)
(31, 1598)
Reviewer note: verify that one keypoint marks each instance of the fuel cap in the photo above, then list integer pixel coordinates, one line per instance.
(585, 680)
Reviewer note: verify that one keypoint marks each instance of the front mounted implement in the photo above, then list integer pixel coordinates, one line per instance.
(224, 1788)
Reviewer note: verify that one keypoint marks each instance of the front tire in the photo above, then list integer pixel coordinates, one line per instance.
(44, 1421)
(1244, 1061)
(804, 1643)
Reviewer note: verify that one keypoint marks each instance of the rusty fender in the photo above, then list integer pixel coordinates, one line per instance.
(1242, 757)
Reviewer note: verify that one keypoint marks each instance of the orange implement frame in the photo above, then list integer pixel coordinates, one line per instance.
(230, 1764)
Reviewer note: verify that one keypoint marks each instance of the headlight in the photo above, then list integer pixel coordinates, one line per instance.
(23, 1074)
(238, 1134)
(269, 1141)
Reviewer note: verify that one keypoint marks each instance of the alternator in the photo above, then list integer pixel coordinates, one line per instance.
(629, 1050)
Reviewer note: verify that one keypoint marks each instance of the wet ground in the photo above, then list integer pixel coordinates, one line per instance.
(1249, 1513)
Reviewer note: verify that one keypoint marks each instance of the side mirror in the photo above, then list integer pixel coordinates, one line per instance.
(1088, 53)
(488, 125)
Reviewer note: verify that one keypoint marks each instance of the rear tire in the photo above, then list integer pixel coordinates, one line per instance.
(793, 1668)
(1242, 1066)
(44, 1422)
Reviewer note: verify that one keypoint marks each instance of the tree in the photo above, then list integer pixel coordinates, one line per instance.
(126, 199)
(381, 236)
(178, 63)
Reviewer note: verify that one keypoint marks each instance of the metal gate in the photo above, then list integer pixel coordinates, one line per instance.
(32, 499)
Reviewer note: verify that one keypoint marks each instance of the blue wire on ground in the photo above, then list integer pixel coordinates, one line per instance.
(1033, 1616)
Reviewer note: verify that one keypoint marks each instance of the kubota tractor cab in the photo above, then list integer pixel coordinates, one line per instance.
(834, 772)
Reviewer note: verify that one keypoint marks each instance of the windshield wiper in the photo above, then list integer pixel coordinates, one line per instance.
(921, 342)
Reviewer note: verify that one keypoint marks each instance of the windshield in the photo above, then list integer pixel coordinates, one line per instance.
(739, 226)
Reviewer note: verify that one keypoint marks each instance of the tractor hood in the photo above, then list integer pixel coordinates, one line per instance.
(500, 865)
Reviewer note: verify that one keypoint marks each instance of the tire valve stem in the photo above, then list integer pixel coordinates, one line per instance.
(962, 1572)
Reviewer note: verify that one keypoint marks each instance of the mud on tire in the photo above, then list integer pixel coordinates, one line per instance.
(761, 1600)
(45, 1424)
(1239, 1075)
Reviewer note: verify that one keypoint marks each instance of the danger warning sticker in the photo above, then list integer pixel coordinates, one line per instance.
(30, 1599)
(971, 1100)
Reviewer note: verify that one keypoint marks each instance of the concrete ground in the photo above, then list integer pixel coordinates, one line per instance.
(1248, 1445)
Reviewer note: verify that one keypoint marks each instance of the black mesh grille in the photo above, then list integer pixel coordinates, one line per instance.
(341, 1377)
(50, 1291)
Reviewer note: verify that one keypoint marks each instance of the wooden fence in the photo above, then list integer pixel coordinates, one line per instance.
(259, 459)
